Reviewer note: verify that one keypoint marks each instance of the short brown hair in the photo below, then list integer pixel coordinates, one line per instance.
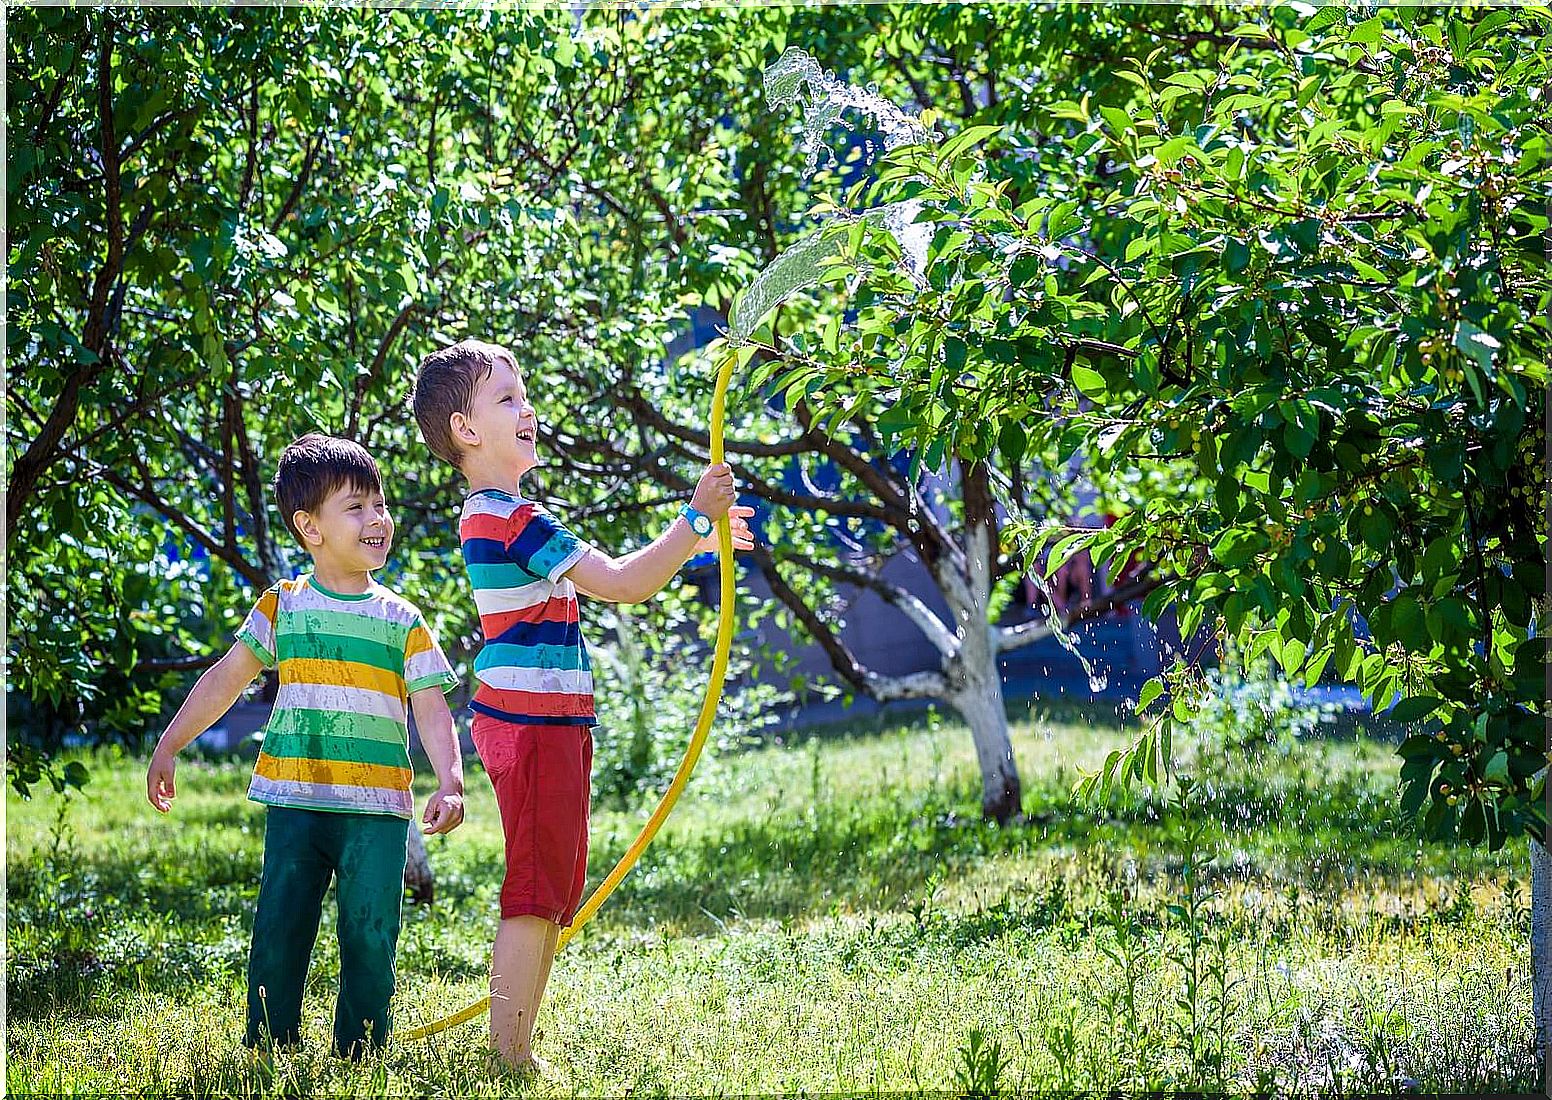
(317, 465)
(444, 385)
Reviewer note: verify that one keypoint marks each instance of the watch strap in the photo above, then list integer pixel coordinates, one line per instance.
(699, 521)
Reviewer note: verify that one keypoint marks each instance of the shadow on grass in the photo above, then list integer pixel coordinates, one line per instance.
(890, 849)
(119, 918)
(1061, 712)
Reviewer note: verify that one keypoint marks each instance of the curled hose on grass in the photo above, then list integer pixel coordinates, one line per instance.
(719, 662)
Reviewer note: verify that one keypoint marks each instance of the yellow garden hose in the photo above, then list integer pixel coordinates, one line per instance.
(734, 356)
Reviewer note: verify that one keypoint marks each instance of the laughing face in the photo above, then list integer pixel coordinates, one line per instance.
(503, 421)
(352, 526)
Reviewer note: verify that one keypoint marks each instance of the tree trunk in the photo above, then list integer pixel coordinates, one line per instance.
(975, 682)
(417, 869)
(1540, 928)
(981, 706)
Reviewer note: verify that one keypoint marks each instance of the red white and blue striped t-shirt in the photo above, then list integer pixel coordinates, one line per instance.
(533, 668)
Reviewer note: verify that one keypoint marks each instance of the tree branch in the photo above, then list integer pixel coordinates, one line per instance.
(44, 448)
(922, 616)
(298, 184)
(47, 117)
(929, 537)
(395, 327)
(177, 664)
(251, 162)
(918, 89)
(1016, 637)
(639, 404)
(138, 142)
(763, 489)
(147, 494)
(253, 487)
(882, 689)
(139, 406)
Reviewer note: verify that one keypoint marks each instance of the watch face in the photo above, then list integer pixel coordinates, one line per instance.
(701, 525)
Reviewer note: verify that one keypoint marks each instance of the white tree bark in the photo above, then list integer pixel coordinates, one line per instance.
(417, 868)
(974, 679)
(968, 677)
(1540, 929)
(980, 703)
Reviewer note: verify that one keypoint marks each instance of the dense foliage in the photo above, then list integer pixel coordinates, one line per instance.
(1293, 295)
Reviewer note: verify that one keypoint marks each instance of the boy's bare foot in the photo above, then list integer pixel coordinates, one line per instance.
(533, 1068)
(530, 1068)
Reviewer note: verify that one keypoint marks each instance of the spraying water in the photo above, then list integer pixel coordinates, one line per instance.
(826, 100)
(796, 77)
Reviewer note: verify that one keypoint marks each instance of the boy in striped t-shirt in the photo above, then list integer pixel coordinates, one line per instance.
(533, 702)
(334, 771)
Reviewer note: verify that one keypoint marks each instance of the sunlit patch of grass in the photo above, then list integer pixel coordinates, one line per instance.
(828, 915)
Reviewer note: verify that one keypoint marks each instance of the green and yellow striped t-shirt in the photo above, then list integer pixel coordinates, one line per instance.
(339, 736)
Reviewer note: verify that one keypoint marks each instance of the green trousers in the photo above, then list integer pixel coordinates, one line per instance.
(303, 850)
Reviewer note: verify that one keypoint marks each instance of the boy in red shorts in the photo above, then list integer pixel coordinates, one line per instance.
(533, 702)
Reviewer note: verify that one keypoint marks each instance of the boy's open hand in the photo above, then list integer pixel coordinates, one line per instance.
(444, 812)
(159, 781)
(743, 538)
(714, 493)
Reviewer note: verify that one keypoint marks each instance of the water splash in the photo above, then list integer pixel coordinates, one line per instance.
(1098, 680)
(795, 77)
(795, 269)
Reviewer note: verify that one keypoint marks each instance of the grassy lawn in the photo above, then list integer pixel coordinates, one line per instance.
(828, 916)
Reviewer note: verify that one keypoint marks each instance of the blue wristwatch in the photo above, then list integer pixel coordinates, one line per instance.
(699, 522)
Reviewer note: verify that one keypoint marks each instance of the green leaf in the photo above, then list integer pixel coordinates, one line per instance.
(1065, 549)
(1325, 17)
(962, 141)
(1408, 622)
(1447, 459)
(1090, 382)
(1011, 441)
(1237, 546)
(1414, 709)
(1027, 269)
(1150, 691)
(1367, 33)
(1302, 427)
(954, 355)
(1377, 529)
(1119, 121)
(1478, 345)
(1236, 256)
(1418, 745)
(1291, 655)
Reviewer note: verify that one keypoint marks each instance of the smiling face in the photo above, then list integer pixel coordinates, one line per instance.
(350, 530)
(501, 425)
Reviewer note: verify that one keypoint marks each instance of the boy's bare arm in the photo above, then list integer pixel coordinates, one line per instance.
(434, 722)
(641, 574)
(212, 696)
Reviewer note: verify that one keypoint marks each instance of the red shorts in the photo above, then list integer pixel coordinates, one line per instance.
(542, 777)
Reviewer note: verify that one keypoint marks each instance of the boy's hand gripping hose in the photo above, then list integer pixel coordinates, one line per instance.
(734, 356)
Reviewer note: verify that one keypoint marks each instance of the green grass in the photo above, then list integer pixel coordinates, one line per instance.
(828, 916)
